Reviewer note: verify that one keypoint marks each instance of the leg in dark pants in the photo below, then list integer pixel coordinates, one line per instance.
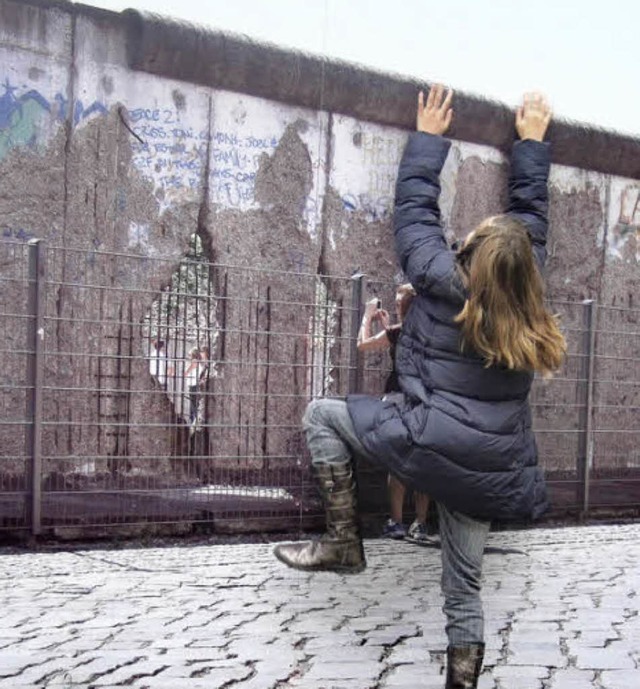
(332, 442)
(463, 541)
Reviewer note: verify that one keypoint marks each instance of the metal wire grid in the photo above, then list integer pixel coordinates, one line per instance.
(14, 384)
(126, 437)
(130, 432)
(614, 454)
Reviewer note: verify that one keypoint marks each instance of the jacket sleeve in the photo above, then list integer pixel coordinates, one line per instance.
(528, 193)
(421, 247)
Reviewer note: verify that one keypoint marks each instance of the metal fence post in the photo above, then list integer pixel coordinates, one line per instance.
(357, 310)
(35, 369)
(585, 449)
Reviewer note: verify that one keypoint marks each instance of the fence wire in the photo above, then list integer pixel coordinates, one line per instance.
(142, 390)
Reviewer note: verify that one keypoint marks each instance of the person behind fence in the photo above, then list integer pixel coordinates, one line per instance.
(202, 385)
(158, 362)
(387, 338)
(192, 384)
(476, 333)
(204, 366)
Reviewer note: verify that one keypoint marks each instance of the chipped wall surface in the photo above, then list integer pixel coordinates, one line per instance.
(102, 152)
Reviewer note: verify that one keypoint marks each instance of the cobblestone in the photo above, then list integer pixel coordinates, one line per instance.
(562, 612)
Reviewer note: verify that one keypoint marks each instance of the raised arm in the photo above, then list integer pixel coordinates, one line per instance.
(530, 160)
(420, 243)
(367, 341)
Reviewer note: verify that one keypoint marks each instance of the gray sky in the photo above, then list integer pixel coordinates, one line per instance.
(584, 54)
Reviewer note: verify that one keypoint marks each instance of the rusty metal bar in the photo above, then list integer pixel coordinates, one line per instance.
(35, 370)
(357, 310)
(589, 403)
(585, 451)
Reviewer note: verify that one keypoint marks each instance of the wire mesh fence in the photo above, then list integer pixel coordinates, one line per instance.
(143, 390)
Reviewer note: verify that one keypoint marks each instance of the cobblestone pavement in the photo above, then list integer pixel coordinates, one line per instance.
(561, 611)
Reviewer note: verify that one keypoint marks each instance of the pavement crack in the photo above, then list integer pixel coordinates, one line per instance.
(111, 670)
(204, 624)
(284, 625)
(221, 647)
(45, 679)
(301, 643)
(115, 563)
(564, 648)
(21, 670)
(379, 681)
(130, 680)
(300, 670)
(22, 640)
(177, 619)
(242, 623)
(505, 633)
(387, 650)
(251, 666)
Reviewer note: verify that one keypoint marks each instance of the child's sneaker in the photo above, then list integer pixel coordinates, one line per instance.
(394, 530)
(418, 534)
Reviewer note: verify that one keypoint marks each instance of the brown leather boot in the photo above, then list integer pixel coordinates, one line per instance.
(340, 549)
(463, 666)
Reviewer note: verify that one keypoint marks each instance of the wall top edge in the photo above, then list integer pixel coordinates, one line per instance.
(181, 50)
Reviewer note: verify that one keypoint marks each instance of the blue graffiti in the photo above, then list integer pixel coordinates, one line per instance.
(79, 111)
(20, 233)
(10, 105)
(349, 203)
(161, 115)
(296, 260)
(374, 208)
(173, 153)
(21, 115)
(232, 139)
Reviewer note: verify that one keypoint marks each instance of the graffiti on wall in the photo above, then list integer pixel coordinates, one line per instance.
(167, 151)
(381, 157)
(378, 157)
(20, 117)
(17, 233)
(24, 112)
(235, 160)
(374, 208)
(247, 131)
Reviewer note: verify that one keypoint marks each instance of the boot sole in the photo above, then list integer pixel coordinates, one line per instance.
(338, 569)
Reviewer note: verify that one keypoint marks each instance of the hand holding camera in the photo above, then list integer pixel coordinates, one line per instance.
(373, 311)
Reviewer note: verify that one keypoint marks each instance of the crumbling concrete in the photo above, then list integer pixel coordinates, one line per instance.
(130, 133)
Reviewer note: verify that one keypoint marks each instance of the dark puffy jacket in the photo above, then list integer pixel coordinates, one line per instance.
(460, 432)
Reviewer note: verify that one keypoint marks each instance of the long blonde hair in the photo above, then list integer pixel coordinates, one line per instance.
(404, 296)
(504, 318)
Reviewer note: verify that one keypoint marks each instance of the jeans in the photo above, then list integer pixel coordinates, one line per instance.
(331, 439)
(462, 547)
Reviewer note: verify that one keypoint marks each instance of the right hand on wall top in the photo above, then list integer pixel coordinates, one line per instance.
(434, 115)
(533, 117)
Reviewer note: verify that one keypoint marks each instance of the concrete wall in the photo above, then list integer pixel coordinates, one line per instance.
(130, 133)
